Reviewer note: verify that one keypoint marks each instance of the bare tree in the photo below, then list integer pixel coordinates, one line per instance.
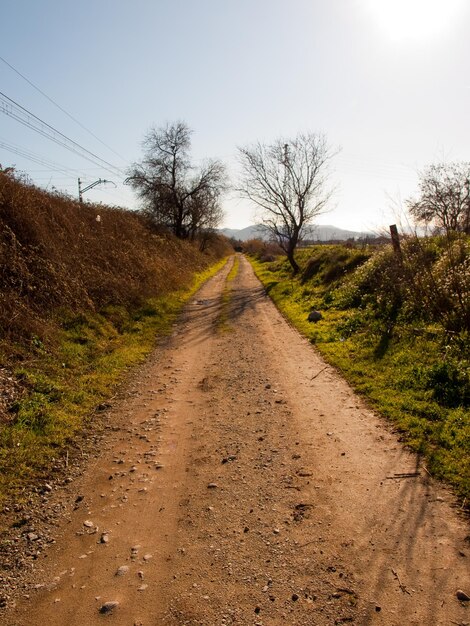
(205, 214)
(444, 197)
(288, 181)
(171, 188)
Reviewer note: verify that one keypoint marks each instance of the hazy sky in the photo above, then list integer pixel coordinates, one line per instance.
(388, 81)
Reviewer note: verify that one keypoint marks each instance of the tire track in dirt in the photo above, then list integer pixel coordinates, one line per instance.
(239, 489)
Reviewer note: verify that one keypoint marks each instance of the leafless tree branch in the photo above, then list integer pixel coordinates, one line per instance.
(174, 193)
(288, 180)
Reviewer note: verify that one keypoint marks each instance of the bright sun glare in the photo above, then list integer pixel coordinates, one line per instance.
(415, 20)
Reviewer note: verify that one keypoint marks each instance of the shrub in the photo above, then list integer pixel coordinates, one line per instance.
(449, 382)
(265, 251)
(330, 263)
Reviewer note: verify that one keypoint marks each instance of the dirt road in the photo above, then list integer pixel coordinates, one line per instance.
(244, 483)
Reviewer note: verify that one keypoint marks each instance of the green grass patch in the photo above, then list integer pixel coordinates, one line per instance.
(67, 380)
(401, 364)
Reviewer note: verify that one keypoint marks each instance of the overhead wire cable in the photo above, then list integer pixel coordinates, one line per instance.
(61, 108)
(27, 118)
(36, 158)
(55, 167)
(23, 116)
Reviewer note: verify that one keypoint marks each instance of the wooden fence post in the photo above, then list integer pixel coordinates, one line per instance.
(396, 241)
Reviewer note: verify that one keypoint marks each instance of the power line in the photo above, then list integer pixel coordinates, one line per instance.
(13, 109)
(61, 108)
(115, 195)
(81, 170)
(36, 158)
(55, 167)
(50, 165)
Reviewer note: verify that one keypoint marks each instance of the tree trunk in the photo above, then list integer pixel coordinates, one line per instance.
(291, 247)
(291, 258)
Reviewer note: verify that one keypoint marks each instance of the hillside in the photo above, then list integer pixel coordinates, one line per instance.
(84, 292)
(58, 253)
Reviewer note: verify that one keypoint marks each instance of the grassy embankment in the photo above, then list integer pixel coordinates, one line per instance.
(82, 299)
(398, 331)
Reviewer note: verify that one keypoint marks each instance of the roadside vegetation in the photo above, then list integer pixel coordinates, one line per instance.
(397, 326)
(85, 291)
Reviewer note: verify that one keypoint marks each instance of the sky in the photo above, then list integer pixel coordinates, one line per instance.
(387, 81)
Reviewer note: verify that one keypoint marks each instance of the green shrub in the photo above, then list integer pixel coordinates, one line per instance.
(449, 382)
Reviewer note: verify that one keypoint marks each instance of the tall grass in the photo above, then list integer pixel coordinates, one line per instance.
(55, 253)
(85, 290)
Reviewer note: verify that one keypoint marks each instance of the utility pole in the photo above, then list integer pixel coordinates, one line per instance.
(97, 182)
(466, 215)
(396, 241)
(286, 165)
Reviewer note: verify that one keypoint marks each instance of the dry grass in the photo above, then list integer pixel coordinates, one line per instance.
(81, 300)
(55, 254)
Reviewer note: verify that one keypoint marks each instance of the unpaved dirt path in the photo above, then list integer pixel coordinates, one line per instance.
(244, 483)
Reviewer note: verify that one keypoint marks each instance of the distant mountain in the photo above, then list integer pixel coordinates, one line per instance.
(243, 234)
(312, 233)
(328, 233)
